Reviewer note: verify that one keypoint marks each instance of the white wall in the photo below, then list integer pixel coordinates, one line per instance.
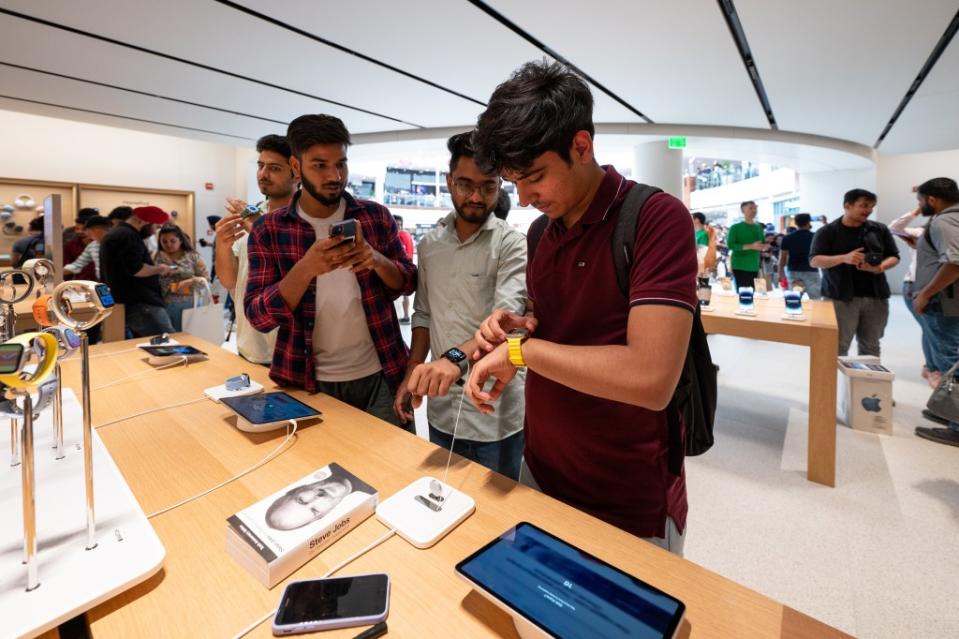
(821, 193)
(43, 148)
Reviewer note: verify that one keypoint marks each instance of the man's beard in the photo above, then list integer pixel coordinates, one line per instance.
(472, 215)
(323, 199)
(927, 210)
(146, 231)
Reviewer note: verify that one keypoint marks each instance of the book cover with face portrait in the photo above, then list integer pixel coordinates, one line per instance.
(281, 532)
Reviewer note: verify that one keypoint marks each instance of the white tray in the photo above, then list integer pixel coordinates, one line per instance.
(72, 579)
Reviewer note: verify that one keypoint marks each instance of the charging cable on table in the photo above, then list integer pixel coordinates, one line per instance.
(389, 533)
(147, 412)
(180, 360)
(456, 422)
(290, 437)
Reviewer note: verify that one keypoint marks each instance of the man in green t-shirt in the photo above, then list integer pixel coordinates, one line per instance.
(746, 242)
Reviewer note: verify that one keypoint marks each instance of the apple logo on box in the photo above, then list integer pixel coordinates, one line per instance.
(871, 404)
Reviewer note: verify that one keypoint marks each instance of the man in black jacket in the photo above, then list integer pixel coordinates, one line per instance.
(854, 253)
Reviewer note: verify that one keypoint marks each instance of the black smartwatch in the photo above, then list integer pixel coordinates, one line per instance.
(458, 357)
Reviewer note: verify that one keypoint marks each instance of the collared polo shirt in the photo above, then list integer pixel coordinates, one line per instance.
(459, 284)
(602, 456)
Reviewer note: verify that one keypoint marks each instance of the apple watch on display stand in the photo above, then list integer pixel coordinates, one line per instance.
(63, 302)
(43, 272)
(10, 294)
(68, 341)
(19, 374)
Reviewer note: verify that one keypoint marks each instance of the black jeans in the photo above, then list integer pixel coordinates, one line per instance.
(745, 278)
(370, 394)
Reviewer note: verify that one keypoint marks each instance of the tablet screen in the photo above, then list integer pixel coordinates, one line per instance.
(266, 408)
(172, 350)
(567, 592)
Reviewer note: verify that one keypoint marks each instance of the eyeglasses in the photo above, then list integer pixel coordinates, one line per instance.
(465, 188)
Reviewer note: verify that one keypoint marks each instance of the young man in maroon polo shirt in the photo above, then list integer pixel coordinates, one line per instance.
(601, 367)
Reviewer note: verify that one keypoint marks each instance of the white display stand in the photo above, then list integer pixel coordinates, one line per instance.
(72, 579)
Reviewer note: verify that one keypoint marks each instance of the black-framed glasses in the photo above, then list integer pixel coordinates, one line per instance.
(465, 188)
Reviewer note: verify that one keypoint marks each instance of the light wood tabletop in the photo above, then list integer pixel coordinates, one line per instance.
(169, 455)
(819, 332)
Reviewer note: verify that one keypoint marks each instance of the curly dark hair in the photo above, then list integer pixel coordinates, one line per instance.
(310, 130)
(539, 109)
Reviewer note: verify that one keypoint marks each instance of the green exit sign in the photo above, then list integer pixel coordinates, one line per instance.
(677, 143)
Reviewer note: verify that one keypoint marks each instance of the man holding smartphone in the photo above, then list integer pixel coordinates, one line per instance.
(331, 300)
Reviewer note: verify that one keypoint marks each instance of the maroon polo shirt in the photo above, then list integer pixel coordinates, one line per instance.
(602, 456)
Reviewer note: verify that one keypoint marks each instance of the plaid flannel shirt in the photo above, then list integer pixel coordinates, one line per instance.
(281, 238)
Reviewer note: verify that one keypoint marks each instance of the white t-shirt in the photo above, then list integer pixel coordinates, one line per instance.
(342, 347)
(253, 345)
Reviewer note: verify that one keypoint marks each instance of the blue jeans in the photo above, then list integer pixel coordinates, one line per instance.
(503, 456)
(175, 311)
(907, 292)
(811, 282)
(943, 335)
(145, 320)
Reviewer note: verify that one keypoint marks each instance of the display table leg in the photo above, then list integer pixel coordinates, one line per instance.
(821, 456)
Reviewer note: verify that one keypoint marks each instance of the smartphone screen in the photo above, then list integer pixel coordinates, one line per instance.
(746, 297)
(793, 301)
(331, 599)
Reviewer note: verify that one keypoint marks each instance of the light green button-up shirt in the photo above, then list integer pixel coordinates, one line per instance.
(459, 285)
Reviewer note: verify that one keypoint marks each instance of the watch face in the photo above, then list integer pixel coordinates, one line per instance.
(105, 295)
(10, 356)
(455, 355)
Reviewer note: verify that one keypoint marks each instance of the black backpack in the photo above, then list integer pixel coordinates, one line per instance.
(695, 396)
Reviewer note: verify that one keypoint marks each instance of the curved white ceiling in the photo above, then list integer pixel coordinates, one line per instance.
(203, 68)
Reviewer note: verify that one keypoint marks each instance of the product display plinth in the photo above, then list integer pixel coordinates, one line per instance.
(746, 313)
(794, 318)
(72, 579)
(420, 519)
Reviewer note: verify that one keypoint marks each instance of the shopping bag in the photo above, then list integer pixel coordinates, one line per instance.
(944, 400)
(204, 320)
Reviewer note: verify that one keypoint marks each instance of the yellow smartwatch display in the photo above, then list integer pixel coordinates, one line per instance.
(514, 344)
(44, 344)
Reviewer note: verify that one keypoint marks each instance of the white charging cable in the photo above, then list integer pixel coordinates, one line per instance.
(147, 412)
(389, 533)
(290, 437)
(180, 360)
(456, 423)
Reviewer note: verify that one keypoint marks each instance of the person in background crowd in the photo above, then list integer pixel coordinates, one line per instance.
(95, 228)
(29, 247)
(186, 266)
(276, 182)
(602, 366)
(74, 246)
(212, 221)
(120, 214)
(911, 235)
(127, 267)
(503, 205)
(936, 299)
(794, 264)
(332, 300)
(473, 264)
(746, 244)
(407, 241)
(855, 253)
(705, 244)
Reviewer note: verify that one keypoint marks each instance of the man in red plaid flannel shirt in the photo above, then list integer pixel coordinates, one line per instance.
(333, 302)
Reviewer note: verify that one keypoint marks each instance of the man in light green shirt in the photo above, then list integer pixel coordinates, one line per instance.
(469, 265)
(746, 242)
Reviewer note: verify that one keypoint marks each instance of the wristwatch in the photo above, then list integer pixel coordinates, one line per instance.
(17, 373)
(514, 342)
(458, 357)
(97, 294)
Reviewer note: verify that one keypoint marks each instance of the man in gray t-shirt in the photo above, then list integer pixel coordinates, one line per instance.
(937, 289)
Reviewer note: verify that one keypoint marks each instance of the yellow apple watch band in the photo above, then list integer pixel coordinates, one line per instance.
(514, 345)
(48, 359)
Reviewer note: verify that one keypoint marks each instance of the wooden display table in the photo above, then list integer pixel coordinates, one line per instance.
(819, 332)
(202, 592)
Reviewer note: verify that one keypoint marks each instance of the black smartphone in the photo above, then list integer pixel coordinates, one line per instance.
(345, 231)
(338, 602)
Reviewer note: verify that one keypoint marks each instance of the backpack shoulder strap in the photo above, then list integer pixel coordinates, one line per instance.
(624, 235)
(534, 234)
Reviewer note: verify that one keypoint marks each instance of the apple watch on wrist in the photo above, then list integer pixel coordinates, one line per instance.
(514, 344)
(458, 357)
